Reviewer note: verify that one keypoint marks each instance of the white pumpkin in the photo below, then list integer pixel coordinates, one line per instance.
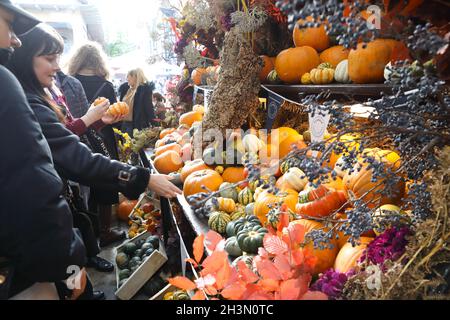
(341, 72)
(296, 178)
(338, 167)
(252, 143)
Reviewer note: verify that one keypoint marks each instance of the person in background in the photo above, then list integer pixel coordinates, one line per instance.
(37, 239)
(137, 92)
(88, 66)
(160, 106)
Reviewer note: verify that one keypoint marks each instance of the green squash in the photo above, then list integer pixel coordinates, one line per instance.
(245, 197)
(130, 248)
(154, 241)
(228, 191)
(239, 213)
(124, 274)
(273, 78)
(273, 217)
(230, 229)
(246, 222)
(122, 260)
(180, 296)
(218, 221)
(232, 247)
(251, 239)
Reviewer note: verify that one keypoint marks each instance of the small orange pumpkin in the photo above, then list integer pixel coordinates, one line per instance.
(119, 109)
(267, 68)
(316, 38)
(168, 162)
(233, 174)
(191, 167)
(169, 147)
(190, 118)
(348, 257)
(197, 75)
(99, 100)
(166, 132)
(265, 198)
(208, 178)
(125, 208)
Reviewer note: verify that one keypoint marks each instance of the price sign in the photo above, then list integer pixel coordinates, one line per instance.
(318, 125)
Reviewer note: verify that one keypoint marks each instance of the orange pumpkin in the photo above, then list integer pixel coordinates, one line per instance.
(336, 184)
(168, 162)
(169, 147)
(119, 109)
(125, 208)
(284, 139)
(292, 63)
(265, 198)
(165, 132)
(334, 55)
(99, 100)
(191, 167)
(268, 67)
(207, 178)
(190, 118)
(197, 76)
(320, 204)
(233, 174)
(366, 65)
(359, 182)
(348, 256)
(316, 38)
(325, 257)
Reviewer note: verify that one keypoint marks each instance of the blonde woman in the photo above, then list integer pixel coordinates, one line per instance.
(137, 92)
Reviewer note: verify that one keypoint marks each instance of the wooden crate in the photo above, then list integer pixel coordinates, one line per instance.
(144, 273)
(143, 199)
(160, 295)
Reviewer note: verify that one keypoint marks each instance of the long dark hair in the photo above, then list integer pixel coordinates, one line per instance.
(42, 40)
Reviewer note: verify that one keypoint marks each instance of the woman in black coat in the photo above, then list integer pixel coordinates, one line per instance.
(137, 92)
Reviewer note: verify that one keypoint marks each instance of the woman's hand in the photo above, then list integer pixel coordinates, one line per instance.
(95, 113)
(110, 119)
(161, 184)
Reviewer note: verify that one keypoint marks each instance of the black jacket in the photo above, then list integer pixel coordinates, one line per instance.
(143, 113)
(74, 161)
(36, 229)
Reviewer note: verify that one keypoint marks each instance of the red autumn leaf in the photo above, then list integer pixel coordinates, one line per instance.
(284, 222)
(222, 276)
(260, 296)
(289, 290)
(262, 253)
(274, 245)
(214, 262)
(269, 285)
(211, 290)
(198, 296)
(297, 257)
(212, 240)
(282, 264)
(182, 283)
(296, 233)
(314, 295)
(234, 291)
(199, 248)
(234, 277)
(193, 262)
(309, 258)
(246, 274)
(268, 271)
(250, 290)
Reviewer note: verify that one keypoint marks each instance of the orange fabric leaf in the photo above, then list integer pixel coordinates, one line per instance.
(296, 233)
(198, 296)
(284, 222)
(212, 240)
(199, 248)
(274, 245)
(214, 262)
(211, 290)
(269, 285)
(309, 258)
(289, 290)
(246, 274)
(223, 276)
(193, 262)
(234, 291)
(182, 283)
(268, 271)
(314, 295)
(282, 264)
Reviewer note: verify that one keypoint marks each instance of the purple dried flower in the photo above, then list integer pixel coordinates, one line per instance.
(226, 22)
(390, 245)
(332, 283)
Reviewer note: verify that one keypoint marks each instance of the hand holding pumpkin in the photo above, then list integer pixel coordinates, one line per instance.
(161, 184)
(95, 112)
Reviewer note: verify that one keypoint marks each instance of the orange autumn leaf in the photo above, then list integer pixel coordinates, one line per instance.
(234, 291)
(269, 285)
(250, 290)
(246, 274)
(212, 240)
(183, 283)
(193, 262)
(290, 290)
(214, 262)
(274, 245)
(198, 296)
(283, 266)
(267, 270)
(314, 295)
(284, 222)
(199, 248)
(223, 276)
(309, 258)
(296, 233)
(211, 290)
(260, 296)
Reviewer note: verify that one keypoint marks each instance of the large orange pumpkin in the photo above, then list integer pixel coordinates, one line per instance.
(316, 38)
(268, 67)
(366, 65)
(348, 256)
(125, 208)
(292, 63)
(191, 167)
(325, 257)
(197, 75)
(233, 174)
(208, 178)
(287, 196)
(334, 55)
(359, 182)
(169, 147)
(190, 118)
(168, 162)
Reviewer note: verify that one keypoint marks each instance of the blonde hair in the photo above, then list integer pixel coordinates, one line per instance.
(138, 73)
(89, 56)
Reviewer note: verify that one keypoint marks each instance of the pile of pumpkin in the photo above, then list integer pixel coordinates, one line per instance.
(315, 61)
(244, 212)
(206, 76)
